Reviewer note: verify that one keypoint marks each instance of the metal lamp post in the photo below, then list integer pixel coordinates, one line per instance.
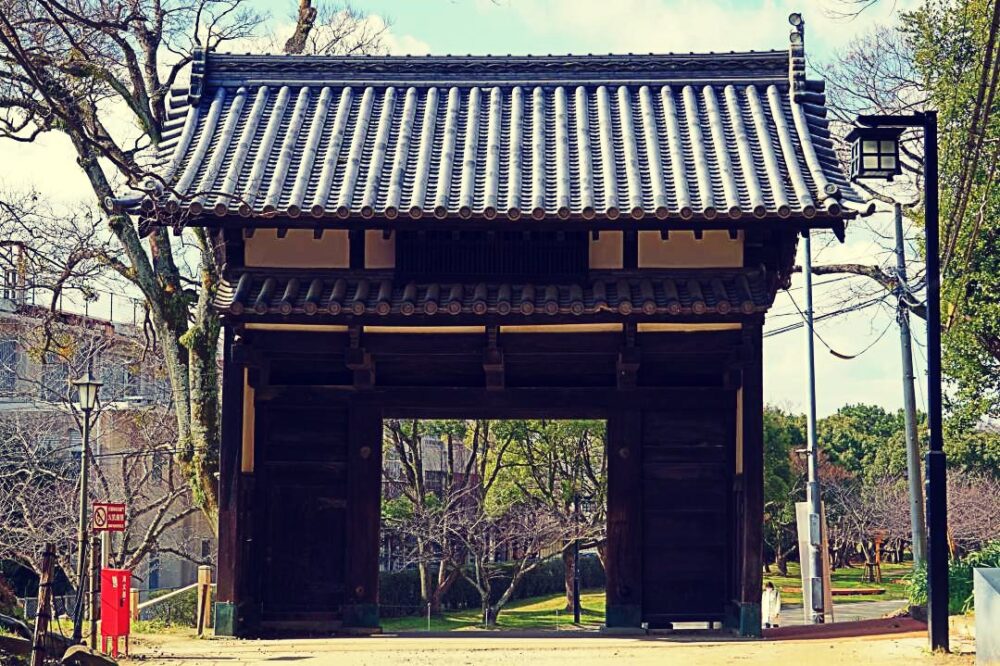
(576, 560)
(875, 154)
(87, 387)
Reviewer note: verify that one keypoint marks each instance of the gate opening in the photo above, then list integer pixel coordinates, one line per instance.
(493, 523)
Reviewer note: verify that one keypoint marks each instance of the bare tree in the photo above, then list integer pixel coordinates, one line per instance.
(474, 457)
(94, 71)
(39, 480)
(563, 465)
(133, 446)
(973, 511)
(336, 28)
(521, 532)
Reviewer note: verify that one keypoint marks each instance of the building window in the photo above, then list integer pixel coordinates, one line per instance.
(55, 380)
(8, 367)
(11, 287)
(206, 548)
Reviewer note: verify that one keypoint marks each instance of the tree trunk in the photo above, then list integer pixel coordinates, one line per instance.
(781, 562)
(569, 572)
(489, 613)
(445, 579)
(424, 572)
(602, 553)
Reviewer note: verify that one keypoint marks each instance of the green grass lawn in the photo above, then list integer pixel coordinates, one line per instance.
(846, 578)
(535, 613)
(549, 612)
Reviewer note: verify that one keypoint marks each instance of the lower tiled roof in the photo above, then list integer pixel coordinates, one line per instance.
(260, 293)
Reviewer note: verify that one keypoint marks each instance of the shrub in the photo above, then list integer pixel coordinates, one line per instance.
(8, 600)
(961, 598)
(399, 591)
(181, 611)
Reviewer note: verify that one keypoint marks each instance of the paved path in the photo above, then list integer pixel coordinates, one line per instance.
(571, 649)
(791, 615)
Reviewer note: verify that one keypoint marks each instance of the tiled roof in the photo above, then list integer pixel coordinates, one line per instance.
(260, 293)
(683, 136)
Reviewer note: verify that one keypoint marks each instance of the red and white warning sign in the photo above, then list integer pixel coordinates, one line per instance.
(108, 517)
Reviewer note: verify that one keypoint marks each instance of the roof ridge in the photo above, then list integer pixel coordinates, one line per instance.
(750, 64)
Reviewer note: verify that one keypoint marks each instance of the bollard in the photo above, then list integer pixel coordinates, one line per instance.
(134, 603)
(204, 597)
(428, 617)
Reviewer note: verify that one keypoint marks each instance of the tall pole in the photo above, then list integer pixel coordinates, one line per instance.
(81, 536)
(576, 561)
(937, 499)
(812, 454)
(913, 473)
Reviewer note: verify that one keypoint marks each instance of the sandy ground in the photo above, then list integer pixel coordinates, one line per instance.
(508, 649)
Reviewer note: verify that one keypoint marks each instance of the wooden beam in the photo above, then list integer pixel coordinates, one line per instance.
(359, 360)
(229, 473)
(493, 364)
(629, 357)
(752, 483)
(364, 492)
(356, 244)
(623, 563)
(630, 250)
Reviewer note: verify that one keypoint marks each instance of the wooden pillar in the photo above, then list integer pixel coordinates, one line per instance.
(624, 522)
(751, 569)
(204, 599)
(364, 496)
(230, 528)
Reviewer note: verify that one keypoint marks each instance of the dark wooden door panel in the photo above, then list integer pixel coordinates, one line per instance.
(305, 550)
(687, 486)
(302, 495)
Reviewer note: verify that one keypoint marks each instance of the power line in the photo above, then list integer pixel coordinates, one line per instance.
(799, 324)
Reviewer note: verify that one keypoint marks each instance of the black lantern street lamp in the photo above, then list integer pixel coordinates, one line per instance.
(875, 154)
(87, 387)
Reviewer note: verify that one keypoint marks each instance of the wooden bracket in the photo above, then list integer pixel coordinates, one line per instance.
(259, 376)
(359, 360)
(839, 231)
(493, 360)
(732, 378)
(629, 358)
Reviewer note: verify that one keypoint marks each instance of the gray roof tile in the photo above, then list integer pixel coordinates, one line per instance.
(693, 136)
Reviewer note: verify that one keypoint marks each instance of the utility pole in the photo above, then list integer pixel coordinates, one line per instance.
(812, 454)
(914, 476)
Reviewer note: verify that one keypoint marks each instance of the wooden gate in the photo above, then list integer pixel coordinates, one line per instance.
(302, 496)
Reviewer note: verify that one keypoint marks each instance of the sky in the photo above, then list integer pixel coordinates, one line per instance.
(639, 26)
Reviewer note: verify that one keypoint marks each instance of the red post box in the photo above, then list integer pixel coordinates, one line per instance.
(115, 613)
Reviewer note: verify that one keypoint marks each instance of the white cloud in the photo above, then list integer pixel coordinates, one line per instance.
(693, 25)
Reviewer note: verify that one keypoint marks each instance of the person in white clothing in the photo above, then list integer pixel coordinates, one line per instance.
(770, 606)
